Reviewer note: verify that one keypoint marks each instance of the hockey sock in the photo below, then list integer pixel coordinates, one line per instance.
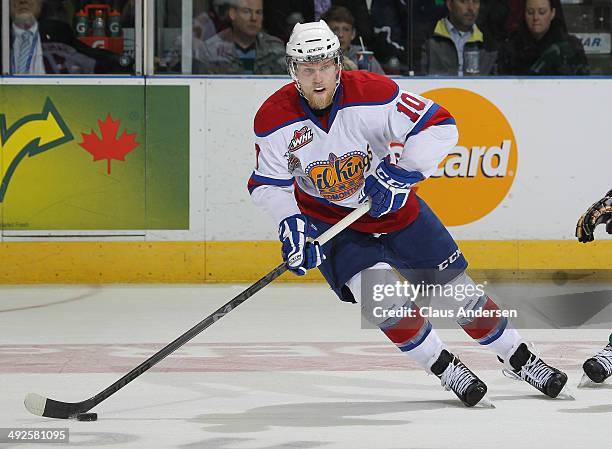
(415, 336)
(490, 330)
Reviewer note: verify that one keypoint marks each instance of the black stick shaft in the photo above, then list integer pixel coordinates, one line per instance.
(191, 333)
(59, 409)
(222, 311)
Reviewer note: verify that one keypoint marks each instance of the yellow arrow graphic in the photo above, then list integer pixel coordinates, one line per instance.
(29, 136)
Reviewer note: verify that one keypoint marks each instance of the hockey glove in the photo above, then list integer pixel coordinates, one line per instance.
(598, 213)
(389, 187)
(299, 253)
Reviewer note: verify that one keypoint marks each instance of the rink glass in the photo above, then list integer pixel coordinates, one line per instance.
(176, 29)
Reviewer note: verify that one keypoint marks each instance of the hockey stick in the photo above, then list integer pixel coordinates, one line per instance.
(50, 408)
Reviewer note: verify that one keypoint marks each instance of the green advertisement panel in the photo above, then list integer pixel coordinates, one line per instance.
(94, 157)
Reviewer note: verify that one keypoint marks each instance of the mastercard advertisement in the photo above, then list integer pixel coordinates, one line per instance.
(477, 175)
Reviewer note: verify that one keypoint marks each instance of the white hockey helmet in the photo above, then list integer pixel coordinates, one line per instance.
(312, 42)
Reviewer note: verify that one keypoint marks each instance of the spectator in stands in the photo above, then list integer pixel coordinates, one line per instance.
(203, 29)
(342, 22)
(500, 19)
(243, 48)
(457, 46)
(282, 15)
(542, 45)
(26, 48)
(401, 28)
(209, 18)
(218, 12)
(47, 45)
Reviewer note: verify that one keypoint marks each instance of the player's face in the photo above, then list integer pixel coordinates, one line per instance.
(318, 82)
(538, 16)
(345, 33)
(463, 13)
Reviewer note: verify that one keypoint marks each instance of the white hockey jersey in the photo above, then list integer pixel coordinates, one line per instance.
(305, 164)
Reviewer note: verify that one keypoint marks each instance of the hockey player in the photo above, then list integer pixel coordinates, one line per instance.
(598, 213)
(321, 148)
(599, 367)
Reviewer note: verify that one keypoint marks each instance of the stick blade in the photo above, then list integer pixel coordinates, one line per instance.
(35, 404)
(49, 408)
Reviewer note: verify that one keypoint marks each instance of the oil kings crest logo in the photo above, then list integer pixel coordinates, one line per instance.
(340, 177)
(477, 174)
(300, 138)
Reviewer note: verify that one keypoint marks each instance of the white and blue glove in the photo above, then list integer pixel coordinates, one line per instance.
(299, 253)
(389, 187)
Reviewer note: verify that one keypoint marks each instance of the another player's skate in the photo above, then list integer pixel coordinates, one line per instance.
(457, 377)
(597, 368)
(524, 364)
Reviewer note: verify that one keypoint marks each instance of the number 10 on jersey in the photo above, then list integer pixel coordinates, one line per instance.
(410, 106)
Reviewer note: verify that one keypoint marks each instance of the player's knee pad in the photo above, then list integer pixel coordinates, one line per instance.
(457, 294)
(377, 300)
(354, 283)
(476, 312)
(483, 321)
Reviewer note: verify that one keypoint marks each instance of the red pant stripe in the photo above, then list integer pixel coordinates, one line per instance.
(483, 326)
(407, 328)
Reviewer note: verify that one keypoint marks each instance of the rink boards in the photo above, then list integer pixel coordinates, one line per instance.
(533, 155)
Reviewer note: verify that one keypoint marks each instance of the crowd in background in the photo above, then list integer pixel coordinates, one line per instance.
(43, 40)
(396, 37)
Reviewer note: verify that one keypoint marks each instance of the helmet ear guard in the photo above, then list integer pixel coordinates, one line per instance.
(312, 42)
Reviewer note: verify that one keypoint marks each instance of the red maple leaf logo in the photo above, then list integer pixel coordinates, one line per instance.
(109, 146)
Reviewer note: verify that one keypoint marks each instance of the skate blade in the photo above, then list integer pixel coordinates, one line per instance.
(485, 402)
(586, 382)
(566, 394)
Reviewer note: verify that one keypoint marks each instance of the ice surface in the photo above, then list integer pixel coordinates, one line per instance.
(290, 368)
